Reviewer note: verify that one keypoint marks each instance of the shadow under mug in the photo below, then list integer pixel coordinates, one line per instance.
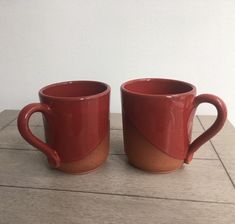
(76, 124)
(157, 122)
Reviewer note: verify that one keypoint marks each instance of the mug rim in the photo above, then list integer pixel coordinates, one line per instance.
(74, 98)
(124, 89)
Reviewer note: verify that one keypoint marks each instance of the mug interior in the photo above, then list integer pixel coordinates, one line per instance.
(157, 87)
(74, 89)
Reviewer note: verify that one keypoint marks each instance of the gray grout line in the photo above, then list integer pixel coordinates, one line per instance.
(13, 121)
(223, 164)
(6, 125)
(111, 129)
(116, 194)
(205, 159)
(37, 150)
(14, 125)
(199, 121)
(117, 154)
(111, 154)
(230, 178)
(18, 149)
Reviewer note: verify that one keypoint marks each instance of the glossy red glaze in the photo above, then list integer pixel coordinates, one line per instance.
(76, 121)
(162, 110)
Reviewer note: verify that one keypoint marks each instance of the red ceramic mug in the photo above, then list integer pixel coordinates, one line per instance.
(76, 124)
(157, 122)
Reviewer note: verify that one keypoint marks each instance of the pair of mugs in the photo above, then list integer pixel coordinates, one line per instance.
(157, 119)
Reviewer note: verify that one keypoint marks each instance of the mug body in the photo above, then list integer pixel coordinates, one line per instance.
(157, 122)
(78, 125)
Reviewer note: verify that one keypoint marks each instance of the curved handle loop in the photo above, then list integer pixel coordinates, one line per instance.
(215, 127)
(23, 126)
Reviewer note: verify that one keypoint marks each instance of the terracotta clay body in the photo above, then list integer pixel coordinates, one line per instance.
(157, 122)
(76, 123)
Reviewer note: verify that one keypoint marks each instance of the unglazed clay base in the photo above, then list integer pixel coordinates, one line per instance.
(91, 162)
(143, 155)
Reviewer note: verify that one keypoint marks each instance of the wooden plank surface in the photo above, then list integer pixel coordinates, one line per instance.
(31, 192)
(203, 180)
(37, 206)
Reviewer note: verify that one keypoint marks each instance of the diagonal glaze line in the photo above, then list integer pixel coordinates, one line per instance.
(115, 194)
(213, 146)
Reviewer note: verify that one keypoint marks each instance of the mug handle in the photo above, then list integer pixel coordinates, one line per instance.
(23, 126)
(214, 128)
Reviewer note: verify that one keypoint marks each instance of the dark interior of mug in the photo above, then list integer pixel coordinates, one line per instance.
(157, 86)
(75, 89)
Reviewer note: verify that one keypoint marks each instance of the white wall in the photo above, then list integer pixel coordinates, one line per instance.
(43, 41)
